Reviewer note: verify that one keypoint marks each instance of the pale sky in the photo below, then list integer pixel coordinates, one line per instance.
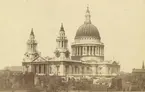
(121, 24)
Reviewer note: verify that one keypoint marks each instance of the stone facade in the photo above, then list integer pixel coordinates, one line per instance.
(86, 59)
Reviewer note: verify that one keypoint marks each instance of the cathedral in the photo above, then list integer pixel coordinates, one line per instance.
(86, 58)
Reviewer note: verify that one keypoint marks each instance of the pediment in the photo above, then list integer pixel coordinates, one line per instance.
(39, 59)
(114, 63)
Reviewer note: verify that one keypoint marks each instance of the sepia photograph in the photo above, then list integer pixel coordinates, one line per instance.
(72, 45)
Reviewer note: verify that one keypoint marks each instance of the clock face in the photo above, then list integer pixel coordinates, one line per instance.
(67, 54)
(57, 53)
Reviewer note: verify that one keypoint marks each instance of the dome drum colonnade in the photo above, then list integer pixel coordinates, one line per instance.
(87, 41)
(86, 50)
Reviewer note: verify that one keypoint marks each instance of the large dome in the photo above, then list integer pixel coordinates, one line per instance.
(87, 30)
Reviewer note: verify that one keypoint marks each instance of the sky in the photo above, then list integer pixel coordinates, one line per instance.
(121, 24)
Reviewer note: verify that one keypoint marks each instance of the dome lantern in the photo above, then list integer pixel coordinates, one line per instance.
(87, 30)
(88, 17)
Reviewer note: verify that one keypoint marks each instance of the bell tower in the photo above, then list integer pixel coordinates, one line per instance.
(31, 52)
(62, 51)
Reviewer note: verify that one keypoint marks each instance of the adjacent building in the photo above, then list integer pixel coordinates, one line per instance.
(86, 58)
(139, 72)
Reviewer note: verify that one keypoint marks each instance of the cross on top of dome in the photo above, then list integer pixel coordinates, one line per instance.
(62, 28)
(88, 16)
(32, 36)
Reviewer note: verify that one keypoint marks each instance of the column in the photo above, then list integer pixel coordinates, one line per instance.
(83, 52)
(77, 50)
(96, 69)
(106, 68)
(59, 44)
(72, 51)
(42, 67)
(33, 68)
(63, 44)
(103, 50)
(37, 68)
(50, 69)
(111, 70)
(47, 69)
(75, 70)
(99, 51)
(85, 70)
(93, 50)
(80, 50)
(57, 69)
(89, 50)
(72, 69)
(80, 69)
(29, 68)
